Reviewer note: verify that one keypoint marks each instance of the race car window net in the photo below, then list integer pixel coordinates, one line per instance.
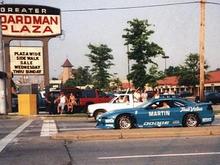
(179, 104)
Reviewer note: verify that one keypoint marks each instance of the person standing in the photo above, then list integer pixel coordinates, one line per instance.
(62, 103)
(144, 95)
(137, 95)
(71, 103)
(157, 95)
(50, 103)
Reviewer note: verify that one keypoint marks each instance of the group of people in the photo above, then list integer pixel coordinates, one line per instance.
(60, 104)
(140, 95)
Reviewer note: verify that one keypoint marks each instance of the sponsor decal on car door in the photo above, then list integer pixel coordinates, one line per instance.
(158, 117)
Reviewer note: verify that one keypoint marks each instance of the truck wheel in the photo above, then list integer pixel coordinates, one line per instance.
(97, 114)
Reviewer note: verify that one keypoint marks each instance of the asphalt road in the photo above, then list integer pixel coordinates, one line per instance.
(169, 151)
(7, 126)
(26, 141)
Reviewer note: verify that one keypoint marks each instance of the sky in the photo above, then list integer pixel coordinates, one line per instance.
(176, 31)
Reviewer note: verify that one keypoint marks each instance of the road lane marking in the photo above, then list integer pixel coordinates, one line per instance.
(7, 139)
(161, 155)
(48, 128)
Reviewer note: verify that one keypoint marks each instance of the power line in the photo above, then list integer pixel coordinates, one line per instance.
(132, 7)
(213, 3)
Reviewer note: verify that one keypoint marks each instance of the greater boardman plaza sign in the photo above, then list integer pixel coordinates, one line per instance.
(30, 20)
(26, 60)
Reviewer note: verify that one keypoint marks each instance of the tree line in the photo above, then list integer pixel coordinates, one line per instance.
(142, 52)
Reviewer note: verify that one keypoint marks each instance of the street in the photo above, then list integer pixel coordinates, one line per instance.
(169, 151)
(26, 141)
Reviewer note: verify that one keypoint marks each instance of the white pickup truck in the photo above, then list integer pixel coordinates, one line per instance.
(121, 101)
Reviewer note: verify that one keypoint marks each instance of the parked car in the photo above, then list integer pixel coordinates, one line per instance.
(213, 97)
(185, 94)
(181, 112)
(95, 110)
(86, 97)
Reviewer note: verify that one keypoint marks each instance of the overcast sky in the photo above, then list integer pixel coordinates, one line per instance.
(176, 31)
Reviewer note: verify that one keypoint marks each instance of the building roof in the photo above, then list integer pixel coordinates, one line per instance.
(67, 64)
(172, 80)
(213, 77)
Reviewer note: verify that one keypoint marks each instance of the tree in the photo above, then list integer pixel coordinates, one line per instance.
(142, 51)
(173, 71)
(101, 58)
(70, 83)
(189, 74)
(154, 75)
(82, 76)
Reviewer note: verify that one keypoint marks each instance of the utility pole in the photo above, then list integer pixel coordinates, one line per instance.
(2, 80)
(128, 49)
(202, 49)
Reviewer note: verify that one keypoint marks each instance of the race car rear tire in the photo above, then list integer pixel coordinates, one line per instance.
(124, 122)
(191, 120)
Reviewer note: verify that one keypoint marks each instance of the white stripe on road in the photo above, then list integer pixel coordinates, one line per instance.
(4, 142)
(162, 155)
(48, 128)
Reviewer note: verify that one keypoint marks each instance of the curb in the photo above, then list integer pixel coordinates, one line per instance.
(137, 133)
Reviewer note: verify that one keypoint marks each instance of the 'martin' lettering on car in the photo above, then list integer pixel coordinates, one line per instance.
(159, 113)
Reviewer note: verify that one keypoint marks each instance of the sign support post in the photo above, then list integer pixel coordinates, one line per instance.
(2, 80)
(8, 70)
(46, 62)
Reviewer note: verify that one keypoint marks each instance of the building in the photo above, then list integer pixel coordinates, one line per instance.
(171, 83)
(213, 81)
(67, 71)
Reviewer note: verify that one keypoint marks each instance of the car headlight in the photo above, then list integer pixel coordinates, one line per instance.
(105, 120)
(109, 120)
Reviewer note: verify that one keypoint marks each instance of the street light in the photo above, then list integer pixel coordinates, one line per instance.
(165, 60)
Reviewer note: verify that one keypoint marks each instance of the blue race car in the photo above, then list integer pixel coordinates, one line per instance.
(161, 112)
